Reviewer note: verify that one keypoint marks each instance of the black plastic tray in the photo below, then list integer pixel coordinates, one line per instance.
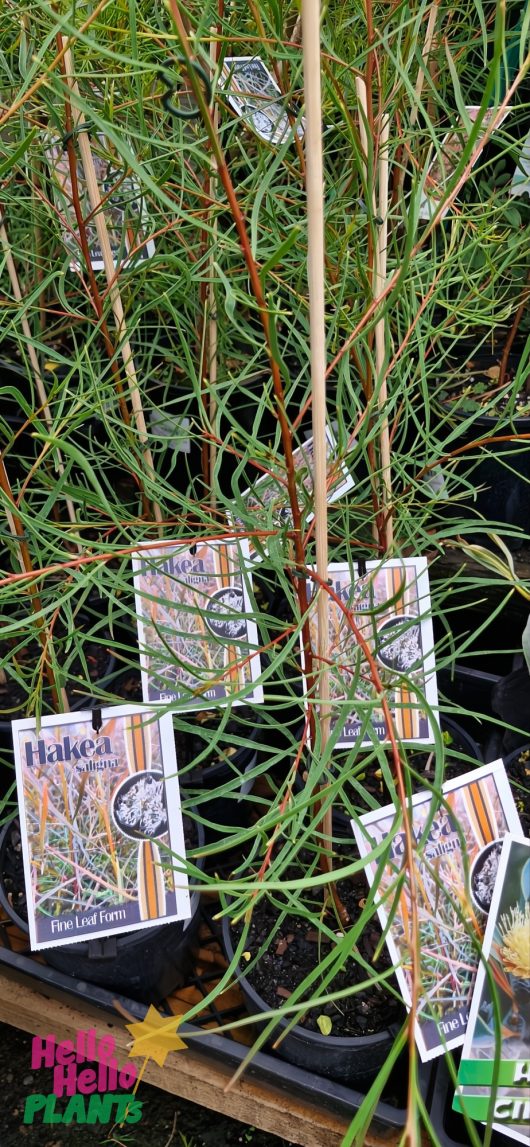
(389, 1115)
(450, 1126)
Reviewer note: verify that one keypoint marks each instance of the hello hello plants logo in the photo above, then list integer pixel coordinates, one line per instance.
(89, 1085)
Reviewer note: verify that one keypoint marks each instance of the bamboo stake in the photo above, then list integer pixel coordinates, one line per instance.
(39, 384)
(210, 299)
(317, 338)
(427, 46)
(379, 282)
(360, 90)
(100, 223)
(379, 211)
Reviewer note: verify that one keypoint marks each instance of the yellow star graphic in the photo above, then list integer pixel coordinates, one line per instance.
(155, 1036)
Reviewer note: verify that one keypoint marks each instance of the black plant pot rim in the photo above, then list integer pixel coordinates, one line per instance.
(316, 1039)
(509, 758)
(11, 912)
(519, 422)
(450, 725)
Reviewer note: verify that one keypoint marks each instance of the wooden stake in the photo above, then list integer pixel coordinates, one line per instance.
(360, 89)
(317, 337)
(211, 310)
(379, 211)
(39, 384)
(100, 223)
(379, 283)
(427, 46)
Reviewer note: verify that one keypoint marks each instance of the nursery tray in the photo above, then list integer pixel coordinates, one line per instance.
(272, 1095)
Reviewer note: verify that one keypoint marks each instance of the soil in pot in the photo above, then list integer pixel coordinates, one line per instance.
(284, 949)
(145, 965)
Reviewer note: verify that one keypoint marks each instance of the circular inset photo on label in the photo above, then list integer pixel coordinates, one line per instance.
(138, 806)
(483, 874)
(224, 613)
(399, 643)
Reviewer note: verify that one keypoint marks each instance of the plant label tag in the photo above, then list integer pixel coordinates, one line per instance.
(494, 1075)
(198, 638)
(266, 503)
(122, 205)
(451, 149)
(256, 98)
(384, 615)
(456, 844)
(101, 824)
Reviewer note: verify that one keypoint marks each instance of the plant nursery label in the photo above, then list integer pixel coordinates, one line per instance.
(267, 501)
(389, 609)
(122, 205)
(254, 95)
(494, 1074)
(198, 640)
(456, 853)
(100, 823)
(452, 146)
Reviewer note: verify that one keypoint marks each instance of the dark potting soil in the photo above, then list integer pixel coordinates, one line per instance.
(12, 872)
(477, 381)
(297, 947)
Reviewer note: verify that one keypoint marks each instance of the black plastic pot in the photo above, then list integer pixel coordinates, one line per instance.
(461, 741)
(517, 765)
(147, 964)
(351, 1060)
(510, 699)
(499, 471)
